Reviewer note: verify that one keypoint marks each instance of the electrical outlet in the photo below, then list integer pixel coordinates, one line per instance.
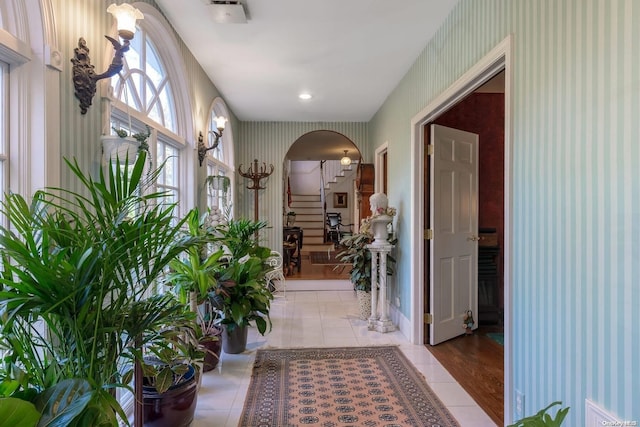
(397, 301)
(519, 409)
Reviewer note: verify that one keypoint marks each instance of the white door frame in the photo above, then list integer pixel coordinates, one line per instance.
(500, 57)
(379, 155)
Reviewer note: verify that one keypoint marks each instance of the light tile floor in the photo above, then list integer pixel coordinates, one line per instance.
(320, 319)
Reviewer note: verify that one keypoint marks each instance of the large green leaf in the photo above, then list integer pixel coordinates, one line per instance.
(62, 403)
(16, 412)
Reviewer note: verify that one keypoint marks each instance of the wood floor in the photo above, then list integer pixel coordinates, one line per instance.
(318, 272)
(477, 363)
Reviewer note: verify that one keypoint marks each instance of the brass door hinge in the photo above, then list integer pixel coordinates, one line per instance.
(430, 150)
(428, 234)
(428, 318)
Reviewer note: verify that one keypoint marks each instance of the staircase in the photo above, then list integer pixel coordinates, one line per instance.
(308, 208)
(309, 218)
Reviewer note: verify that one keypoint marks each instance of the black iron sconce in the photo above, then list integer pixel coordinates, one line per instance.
(202, 148)
(84, 75)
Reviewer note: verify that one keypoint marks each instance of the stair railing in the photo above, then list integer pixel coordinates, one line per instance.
(323, 195)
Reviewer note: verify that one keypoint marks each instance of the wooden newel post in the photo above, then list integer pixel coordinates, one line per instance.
(255, 173)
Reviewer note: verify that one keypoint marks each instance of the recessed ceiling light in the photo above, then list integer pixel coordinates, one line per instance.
(305, 96)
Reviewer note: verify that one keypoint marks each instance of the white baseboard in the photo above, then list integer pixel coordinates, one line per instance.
(597, 417)
(401, 322)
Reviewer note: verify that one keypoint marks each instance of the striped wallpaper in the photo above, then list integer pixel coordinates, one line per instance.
(576, 167)
(269, 142)
(576, 188)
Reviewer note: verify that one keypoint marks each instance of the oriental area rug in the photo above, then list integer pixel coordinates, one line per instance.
(348, 386)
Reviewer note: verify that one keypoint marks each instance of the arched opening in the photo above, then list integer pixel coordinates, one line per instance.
(320, 170)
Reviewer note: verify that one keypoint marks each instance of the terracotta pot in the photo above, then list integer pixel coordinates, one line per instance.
(213, 348)
(173, 408)
(235, 342)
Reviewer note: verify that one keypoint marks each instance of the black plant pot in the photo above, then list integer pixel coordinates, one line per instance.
(173, 408)
(235, 342)
(213, 348)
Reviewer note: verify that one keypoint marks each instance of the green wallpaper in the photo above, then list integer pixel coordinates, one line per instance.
(576, 184)
(269, 142)
(576, 175)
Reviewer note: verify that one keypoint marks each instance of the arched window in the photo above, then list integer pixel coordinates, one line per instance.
(147, 96)
(143, 83)
(220, 160)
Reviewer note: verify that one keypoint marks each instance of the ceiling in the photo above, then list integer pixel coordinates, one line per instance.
(349, 54)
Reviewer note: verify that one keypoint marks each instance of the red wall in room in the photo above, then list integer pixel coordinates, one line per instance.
(483, 114)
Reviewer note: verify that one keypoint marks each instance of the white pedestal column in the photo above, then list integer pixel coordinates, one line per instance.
(380, 249)
(373, 318)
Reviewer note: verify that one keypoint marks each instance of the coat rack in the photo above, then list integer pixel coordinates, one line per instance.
(255, 173)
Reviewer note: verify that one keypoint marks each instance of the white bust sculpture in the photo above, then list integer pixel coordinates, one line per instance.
(379, 218)
(378, 203)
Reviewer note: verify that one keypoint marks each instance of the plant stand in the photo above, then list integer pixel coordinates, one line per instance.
(380, 249)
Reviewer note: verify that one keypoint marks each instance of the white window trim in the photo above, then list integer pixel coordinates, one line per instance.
(219, 108)
(29, 46)
(169, 52)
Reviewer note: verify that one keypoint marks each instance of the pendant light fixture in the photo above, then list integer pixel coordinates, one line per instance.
(346, 160)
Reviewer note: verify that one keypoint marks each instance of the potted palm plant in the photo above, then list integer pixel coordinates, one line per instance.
(80, 266)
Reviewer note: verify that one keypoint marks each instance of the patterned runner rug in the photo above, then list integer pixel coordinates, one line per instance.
(331, 387)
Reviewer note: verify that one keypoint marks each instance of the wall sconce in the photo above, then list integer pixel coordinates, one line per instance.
(84, 76)
(202, 148)
(346, 160)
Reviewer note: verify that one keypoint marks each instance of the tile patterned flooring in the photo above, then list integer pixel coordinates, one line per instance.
(320, 319)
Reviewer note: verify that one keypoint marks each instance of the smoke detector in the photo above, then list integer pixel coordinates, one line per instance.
(227, 12)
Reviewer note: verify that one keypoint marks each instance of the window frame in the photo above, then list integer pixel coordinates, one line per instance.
(4, 135)
(168, 50)
(224, 166)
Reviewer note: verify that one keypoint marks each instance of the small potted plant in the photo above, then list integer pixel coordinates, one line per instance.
(170, 369)
(355, 252)
(193, 276)
(124, 146)
(242, 296)
(219, 182)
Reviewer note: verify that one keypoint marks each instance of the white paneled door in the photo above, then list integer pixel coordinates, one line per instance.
(454, 219)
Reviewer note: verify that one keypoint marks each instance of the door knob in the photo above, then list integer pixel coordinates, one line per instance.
(473, 238)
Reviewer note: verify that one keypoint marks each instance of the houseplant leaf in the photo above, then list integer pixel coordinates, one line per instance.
(63, 402)
(17, 412)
